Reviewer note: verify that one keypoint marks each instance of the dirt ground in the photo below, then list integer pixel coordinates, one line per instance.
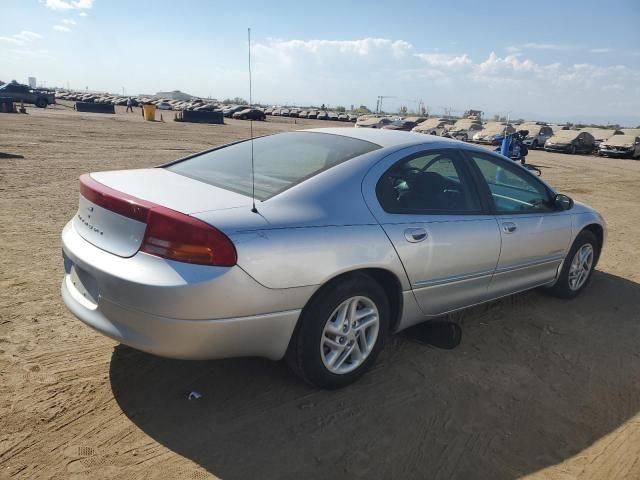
(539, 388)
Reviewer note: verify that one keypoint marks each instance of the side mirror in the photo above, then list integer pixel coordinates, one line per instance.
(562, 202)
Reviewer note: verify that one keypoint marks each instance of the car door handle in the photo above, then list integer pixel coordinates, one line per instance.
(509, 227)
(415, 235)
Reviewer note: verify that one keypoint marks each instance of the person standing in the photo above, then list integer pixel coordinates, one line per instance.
(129, 105)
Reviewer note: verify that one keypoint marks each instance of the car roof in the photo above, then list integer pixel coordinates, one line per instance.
(383, 137)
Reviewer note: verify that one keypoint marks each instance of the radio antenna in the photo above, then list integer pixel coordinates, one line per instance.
(253, 172)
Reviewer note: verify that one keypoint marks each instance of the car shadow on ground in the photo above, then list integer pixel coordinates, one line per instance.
(535, 381)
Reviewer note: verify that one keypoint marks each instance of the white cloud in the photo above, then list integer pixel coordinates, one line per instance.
(27, 36)
(444, 60)
(21, 38)
(11, 40)
(63, 5)
(601, 50)
(83, 14)
(544, 46)
(285, 50)
(69, 21)
(61, 28)
(553, 78)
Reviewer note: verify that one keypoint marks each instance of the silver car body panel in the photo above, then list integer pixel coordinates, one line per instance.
(531, 254)
(171, 190)
(301, 238)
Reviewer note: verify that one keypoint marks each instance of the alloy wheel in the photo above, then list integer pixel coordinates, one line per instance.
(349, 335)
(581, 266)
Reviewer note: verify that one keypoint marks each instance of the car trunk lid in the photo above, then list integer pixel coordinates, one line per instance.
(113, 206)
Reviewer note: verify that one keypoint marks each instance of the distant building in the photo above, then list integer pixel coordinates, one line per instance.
(174, 95)
(32, 82)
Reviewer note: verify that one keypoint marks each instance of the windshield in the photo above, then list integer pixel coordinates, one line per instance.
(280, 161)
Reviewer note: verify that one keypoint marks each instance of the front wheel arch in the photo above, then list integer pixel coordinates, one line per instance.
(598, 231)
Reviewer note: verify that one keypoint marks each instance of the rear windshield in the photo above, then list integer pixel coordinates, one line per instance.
(280, 161)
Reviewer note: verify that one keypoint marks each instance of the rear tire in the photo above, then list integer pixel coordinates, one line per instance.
(41, 103)
(319, 353)
(578, 266)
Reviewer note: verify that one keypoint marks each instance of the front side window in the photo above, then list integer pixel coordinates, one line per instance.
(512, 190)
(280, 161)
(428, 183)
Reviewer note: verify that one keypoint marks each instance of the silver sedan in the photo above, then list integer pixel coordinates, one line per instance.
(333, 240)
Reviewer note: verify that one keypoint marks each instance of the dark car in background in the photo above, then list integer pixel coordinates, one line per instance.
(403, 125)
(18, 92)
(229, 111)
(250, 114)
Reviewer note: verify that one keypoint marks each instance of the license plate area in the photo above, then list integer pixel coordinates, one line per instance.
(82, 281)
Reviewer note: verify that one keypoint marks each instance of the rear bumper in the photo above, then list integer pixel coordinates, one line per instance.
(177, 310)
(259, 335)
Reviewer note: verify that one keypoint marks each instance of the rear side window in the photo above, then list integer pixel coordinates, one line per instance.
(280, 161)
(428, 183)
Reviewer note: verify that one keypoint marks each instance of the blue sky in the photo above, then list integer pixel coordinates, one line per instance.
(552, 60)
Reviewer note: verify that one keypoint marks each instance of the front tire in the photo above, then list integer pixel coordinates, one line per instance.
(340, 333)
(41, 103)
(578, 266)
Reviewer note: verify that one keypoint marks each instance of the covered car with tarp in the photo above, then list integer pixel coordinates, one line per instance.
(465, 128)
(491, 130)
(623, 146)
(601, 134)
(570, 141)
(433, 126)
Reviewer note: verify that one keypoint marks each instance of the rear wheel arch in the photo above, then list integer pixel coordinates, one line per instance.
(389, 282)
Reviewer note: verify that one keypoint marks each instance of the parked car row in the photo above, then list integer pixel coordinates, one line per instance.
(553, 138)
(606, 142)
(311, 114)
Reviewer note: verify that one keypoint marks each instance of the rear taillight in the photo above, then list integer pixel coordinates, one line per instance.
(168, 234)
(177, 236)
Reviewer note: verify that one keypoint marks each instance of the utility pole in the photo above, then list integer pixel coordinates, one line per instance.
(380, 98)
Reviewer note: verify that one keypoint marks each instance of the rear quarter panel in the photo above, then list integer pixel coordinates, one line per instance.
(295, 257)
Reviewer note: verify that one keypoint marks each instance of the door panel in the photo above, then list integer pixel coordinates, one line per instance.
(531, 253)
(535, 237)
(452, 267)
